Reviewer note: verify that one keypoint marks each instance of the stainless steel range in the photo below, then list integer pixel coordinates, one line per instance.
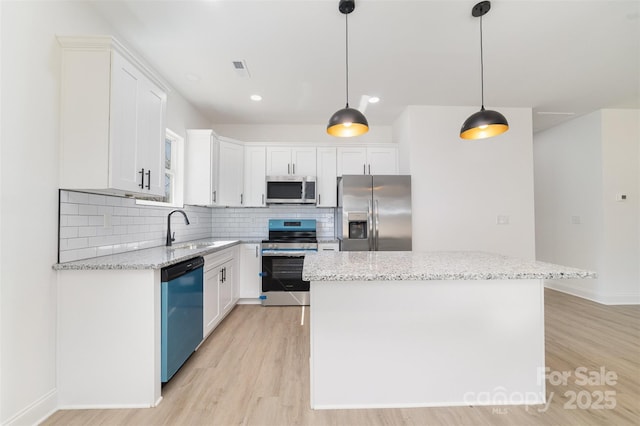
(282, 260)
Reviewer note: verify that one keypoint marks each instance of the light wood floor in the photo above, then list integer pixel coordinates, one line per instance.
(254, 370)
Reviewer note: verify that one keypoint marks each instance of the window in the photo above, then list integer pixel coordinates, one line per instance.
(173, 172)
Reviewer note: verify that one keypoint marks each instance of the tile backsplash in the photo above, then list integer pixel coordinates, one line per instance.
(94, 225)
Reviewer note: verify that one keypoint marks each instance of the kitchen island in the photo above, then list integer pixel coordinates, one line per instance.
(412, 329)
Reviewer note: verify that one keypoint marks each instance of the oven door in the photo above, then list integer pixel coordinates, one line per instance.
(282, 271)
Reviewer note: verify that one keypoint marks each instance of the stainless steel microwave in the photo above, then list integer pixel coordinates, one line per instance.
(291, 190)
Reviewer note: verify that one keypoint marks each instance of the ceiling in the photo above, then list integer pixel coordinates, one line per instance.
(561, 58)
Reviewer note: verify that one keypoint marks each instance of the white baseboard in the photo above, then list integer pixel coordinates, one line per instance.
(37, 411)
(589, 294)
(249, 301)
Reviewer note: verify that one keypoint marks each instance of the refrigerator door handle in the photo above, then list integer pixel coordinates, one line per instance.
(377, 224)
(369, 224)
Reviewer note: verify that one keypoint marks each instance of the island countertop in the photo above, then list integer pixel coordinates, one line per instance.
(436, 265)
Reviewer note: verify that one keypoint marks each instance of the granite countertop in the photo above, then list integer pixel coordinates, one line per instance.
(444, 265)
(151, 258)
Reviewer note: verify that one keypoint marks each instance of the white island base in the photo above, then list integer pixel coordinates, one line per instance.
(377, 344)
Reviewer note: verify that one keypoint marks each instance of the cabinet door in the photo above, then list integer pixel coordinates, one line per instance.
(278, 161)
(254, 176)
(123, 127)
(198, 188)
(352, 161)
(250, 281)
(151, 136)
(211, 307)
(303, 161)
(327, 185)
(225, 287)
(382, 161)
(230, 174)
(137, 130)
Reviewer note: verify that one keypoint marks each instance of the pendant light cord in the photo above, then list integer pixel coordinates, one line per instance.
(346, 38)
(481, 67)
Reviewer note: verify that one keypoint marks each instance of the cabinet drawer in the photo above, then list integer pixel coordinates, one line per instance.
(218, 258)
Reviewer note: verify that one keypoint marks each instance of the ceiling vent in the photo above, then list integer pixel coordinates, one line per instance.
(241, 68)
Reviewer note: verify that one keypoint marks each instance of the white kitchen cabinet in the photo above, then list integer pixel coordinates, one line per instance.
(219, 287)
(112, 119)
(371, 160)
(254, 176)
(250, 268)
(230, 173)
(214, 168)
(211, 309)
(294, 161)
(200, 177)
(326, 183)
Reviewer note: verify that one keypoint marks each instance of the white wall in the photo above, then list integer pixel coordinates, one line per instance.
(297, 133)
(580, 167)
(29, 196)
(459, 187)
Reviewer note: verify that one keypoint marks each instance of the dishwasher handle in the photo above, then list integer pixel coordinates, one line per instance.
(179, 269)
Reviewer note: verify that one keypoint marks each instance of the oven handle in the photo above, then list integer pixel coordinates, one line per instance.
(283, 253)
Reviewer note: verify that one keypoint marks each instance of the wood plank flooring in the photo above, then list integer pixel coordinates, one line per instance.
(254, 370)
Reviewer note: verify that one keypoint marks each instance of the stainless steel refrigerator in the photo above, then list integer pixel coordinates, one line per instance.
(374, 213)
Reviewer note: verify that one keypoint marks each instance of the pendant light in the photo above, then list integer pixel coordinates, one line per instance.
(484, 123)
(347, 122)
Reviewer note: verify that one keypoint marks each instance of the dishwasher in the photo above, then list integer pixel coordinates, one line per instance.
(181, 314)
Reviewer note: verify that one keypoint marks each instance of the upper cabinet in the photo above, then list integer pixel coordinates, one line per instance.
(214, 170)
(287, 160)
(254, 176)
(200, 179)
(112, 116)
(369, 160)
(326, 182)
(230, 173)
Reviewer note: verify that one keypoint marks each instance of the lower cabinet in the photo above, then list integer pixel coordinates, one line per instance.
(220, 287)
(250, 280)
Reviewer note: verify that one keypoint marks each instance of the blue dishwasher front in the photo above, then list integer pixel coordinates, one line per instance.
(181, 293)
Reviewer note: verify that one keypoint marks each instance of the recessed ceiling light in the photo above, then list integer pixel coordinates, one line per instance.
(374, 100)
(256, 98)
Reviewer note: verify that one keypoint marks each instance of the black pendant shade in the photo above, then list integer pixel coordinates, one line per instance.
(347, 122)
(484, 123)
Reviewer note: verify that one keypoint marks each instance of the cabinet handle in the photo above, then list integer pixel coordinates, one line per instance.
(263, 199)
(241, 201)
(224, 274)
(149, 179)
(364, 169)
(256, 252)
(141, 178)
(288, 169)
(214, 196)
(369, 168)
(319, 199)
(294, 168)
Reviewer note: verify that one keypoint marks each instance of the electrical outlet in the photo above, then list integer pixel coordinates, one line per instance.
(621, 197)
(502, 220)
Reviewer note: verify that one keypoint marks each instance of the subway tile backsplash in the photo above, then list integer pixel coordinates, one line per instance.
(96, 225)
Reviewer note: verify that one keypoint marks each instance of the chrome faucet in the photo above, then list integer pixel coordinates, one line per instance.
(171, 238)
